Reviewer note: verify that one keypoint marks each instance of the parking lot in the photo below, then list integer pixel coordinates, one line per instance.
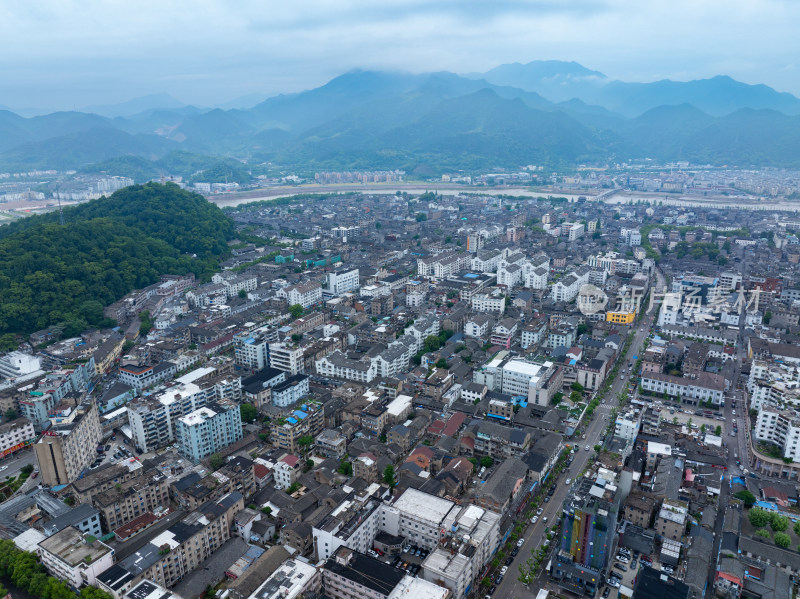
(409, 560)
(627, 577)
(114, 450)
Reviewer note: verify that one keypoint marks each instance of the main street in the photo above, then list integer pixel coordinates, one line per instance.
(594, 432)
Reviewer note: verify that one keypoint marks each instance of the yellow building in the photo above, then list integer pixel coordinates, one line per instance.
(621, 317)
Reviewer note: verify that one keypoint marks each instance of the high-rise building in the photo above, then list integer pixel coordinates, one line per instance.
(208, 429)
(152, 419)
(588, 530)
(68, 447)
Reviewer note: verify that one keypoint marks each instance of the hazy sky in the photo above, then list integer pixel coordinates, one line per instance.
(58, 54)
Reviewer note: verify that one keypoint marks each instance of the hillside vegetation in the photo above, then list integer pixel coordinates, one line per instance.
(52, 274)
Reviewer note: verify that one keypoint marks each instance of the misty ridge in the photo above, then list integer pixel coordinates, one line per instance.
(549, 113)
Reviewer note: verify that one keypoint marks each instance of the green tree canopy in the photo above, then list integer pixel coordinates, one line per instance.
(758, 517)
(295, 311)
(248, 412)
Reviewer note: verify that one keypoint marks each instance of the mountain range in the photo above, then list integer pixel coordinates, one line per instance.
(545, 112)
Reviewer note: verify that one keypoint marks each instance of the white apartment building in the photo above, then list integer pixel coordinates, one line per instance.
(626, 426)
(306, 294)
(338, 365)
(287, 357)
(566, 289)
(781, 427)
(573, 231)
(423, 327)
(532, 334)
(536, 278)
(487, 261)
(484, 302)
(235, 283)
(477, 326)
(251, 349)
(284, 475)
(517, 376)
(70, 556)
(706, 387)
(152, 419)
(341, 281)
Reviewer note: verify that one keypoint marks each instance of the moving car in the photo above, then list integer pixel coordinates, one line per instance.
(568, 481)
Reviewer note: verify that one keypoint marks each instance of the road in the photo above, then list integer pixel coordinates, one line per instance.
(535, 533)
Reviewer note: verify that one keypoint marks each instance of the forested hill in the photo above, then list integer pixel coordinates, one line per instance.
(52, 274)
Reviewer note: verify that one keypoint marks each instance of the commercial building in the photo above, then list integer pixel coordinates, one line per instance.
(588, 535)
(208, 429)
(15, 435)
(706, 387)
(67, 448)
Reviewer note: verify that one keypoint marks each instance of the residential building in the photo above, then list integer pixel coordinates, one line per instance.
(706, 387)
(66, 449)
(289, 392)
(153, 419)
(175, 552)
(294, 579)
(130, 499)
(75, 557)
(341, 281)
(83, 516)
(671, 519)
(287, 357)
(308, 419)
(209, 429)
(305, 294)
(485, 302)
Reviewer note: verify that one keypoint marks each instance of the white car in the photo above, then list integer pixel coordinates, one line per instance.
(569, 480)
(534, 520)
(503, 570)
(3, 468)
(521, 542)
(586, 448)
(539, 511)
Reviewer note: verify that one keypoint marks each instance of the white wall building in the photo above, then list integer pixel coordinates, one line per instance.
(341, 281)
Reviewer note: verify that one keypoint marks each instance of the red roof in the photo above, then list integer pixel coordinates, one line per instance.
(260, 470)
(290, 459)
(436, 427)
(455, 422)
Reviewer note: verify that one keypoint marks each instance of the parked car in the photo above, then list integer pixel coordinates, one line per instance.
(509, 560)
(606, 592)
(534, 520)
(499, 579)
(539, 511)
(503, 570)
(520, 543)
(620, 567)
